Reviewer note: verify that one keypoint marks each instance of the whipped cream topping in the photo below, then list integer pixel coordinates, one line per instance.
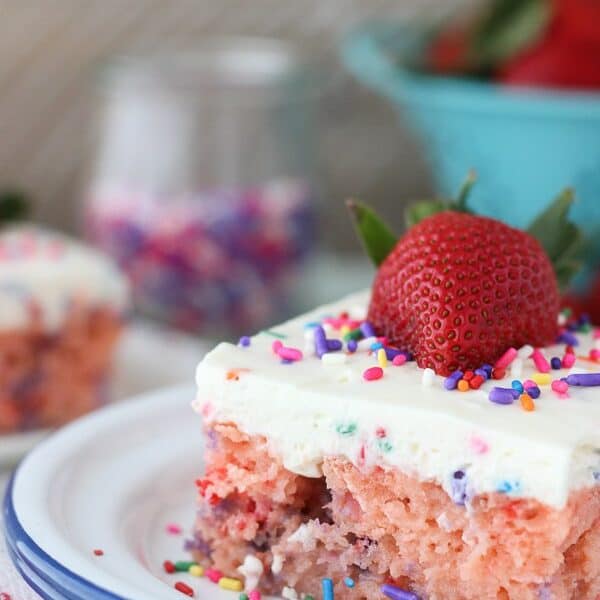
(44, 273)
(313, 408)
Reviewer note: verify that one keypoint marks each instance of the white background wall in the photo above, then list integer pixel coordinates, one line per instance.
(50, 53)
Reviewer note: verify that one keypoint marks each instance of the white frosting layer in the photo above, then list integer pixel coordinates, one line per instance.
(45, 272)
(311, 409)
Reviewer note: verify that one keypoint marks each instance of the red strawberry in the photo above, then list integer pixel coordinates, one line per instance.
(588, 302)
(448, 53)
(558, 61)
(580, 18)
(457, 290)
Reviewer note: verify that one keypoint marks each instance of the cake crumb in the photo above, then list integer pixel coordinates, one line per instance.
(302, 536)
(277, 564)
(444, 522)
(251, 569)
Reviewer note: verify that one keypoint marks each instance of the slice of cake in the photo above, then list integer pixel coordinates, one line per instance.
(408, 442)
(61, 311)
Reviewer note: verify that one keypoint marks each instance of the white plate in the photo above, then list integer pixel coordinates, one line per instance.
(148, 357)
(110, 481)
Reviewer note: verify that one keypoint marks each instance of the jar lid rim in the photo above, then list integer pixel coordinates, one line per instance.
(246, 62)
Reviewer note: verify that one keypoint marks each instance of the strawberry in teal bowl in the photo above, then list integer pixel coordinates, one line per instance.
(525, 117)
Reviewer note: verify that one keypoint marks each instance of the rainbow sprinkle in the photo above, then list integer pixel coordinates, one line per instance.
(382, 358)
(499, 395)
(396, 593)
(231, 584)
(541, 378)
(399, 360)
(373, 374)
(527, 403)
(504, 361)
(541, 364)
(184, 588)
(327, 586)
(451, 382)
(584, 379)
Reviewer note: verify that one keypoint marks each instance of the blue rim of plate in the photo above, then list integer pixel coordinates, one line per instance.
(50, 579)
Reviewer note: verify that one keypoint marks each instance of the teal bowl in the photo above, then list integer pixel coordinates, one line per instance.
(525, 145)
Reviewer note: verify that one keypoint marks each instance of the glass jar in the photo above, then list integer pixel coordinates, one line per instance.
(203, 185)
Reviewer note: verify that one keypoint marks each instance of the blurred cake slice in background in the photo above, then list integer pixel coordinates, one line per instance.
(62, 307)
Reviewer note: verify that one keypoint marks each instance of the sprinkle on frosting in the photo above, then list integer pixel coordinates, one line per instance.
(451, 382)
(561, 387)
(527, 403)
(541, 364)
(367, 329)
(499, 395)
(506, 359)
(384, 445)
(541, 378)
(428, 377)
(373, 373)
(400, 359)
(346, 429)
(584, 379)
(274, 334)
(508, 487)
(479, 445)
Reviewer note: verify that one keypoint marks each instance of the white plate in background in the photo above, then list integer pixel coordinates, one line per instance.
(148, 357)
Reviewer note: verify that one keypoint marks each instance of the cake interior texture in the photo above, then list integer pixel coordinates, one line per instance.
(62, 308)
(48, 378)
(377, 524)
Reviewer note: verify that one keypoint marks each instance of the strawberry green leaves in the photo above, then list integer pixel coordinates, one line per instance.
(479, 41)
(507, 27)
(13, 206)
(375, 235)
(562, 240)
(418, 211)
(377, 238)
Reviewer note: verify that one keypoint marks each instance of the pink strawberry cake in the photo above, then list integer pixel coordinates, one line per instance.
(318, 469)
(339, 460)
(61, 312)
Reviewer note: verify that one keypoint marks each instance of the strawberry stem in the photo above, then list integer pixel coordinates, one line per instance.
(460, 204)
